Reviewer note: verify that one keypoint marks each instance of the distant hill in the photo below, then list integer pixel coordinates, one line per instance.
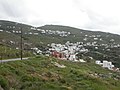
(101, 45)
(80, 33)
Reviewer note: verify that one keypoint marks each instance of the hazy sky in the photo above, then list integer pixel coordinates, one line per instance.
(100, 15)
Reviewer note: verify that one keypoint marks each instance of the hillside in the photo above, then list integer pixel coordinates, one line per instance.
(101, 45)
(80, 34)
(42, 73)
(38, 34)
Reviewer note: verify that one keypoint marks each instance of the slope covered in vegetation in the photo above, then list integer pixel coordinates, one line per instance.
(45, 73)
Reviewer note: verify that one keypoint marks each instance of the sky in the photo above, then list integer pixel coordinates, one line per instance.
(97, 15)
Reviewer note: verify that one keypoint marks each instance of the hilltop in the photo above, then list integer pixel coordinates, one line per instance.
(46, 73)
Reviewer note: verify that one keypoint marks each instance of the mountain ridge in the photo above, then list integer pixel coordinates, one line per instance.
(8, 21)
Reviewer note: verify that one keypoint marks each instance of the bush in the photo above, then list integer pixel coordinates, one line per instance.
(3, 83)
(28, 78)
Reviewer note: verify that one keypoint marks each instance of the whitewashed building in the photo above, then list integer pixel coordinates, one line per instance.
(105, 64)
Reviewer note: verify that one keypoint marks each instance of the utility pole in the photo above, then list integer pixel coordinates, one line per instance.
(1, 58)
(21, 44)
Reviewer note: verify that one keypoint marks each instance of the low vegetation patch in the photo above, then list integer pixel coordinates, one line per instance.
(40, 73)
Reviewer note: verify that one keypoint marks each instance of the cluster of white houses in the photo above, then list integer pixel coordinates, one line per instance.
(54, 32)
(107, 64)
(37, 31)
(67, 51)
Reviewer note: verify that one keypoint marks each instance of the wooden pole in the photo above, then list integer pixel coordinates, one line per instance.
(21, 45)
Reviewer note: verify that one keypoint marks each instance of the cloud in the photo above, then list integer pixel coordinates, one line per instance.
(102, 15)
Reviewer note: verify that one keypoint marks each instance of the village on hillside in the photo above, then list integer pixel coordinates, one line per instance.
(35, 31)
(69, 51)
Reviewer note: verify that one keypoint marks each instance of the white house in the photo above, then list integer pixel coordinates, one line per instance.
(108, 65)
(72, 57)
(1, 30)
(105, 64)
(98, 62)
(81, 60)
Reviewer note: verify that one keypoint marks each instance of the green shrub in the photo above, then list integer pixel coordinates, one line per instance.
(3, 83)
